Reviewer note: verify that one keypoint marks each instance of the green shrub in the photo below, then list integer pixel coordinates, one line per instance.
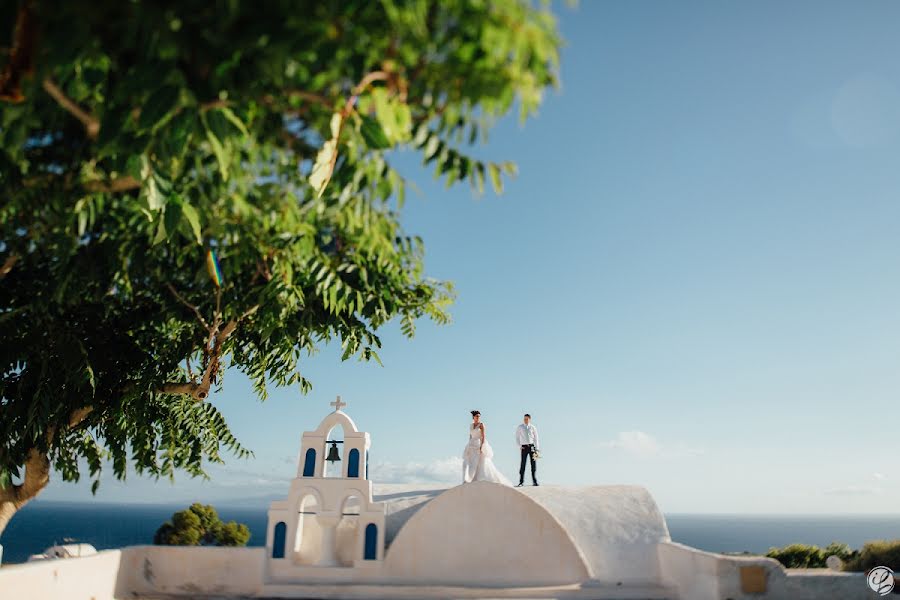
(799, 556)
(842, 551)
(200, 526)
(233, 534)
(876, 553)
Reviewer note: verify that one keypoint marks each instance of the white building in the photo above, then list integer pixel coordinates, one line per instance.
(334, 536)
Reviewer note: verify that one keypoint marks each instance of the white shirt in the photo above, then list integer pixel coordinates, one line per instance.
(527, 434)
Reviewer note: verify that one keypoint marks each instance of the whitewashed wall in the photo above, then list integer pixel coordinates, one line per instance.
(699, 575)
(191, 570)
(89, 578)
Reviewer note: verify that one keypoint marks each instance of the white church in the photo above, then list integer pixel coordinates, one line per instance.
(336, 535)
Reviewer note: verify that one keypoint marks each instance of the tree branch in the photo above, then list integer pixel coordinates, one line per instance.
(212, 356)
(187, 389)
(21, 55)
(269, 99)
(37, 475)
(8, 265)
(79, 415)
(360, 87)
(205, 106)
(91, 124)
(369, 79)
(196, 310)
(120, 184)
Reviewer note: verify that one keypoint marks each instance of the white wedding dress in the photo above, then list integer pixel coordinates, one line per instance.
(478, 466)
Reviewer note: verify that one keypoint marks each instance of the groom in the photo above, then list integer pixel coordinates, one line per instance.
(527, 438)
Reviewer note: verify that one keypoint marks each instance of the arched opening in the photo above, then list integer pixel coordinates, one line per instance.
(371, 542)
(334, 445)
(347, 534)
(308, 543)
(278, 540)
(353, 463)
(309, 463)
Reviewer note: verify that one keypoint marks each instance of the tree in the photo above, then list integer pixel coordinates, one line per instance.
(190, 186)
(200, 525)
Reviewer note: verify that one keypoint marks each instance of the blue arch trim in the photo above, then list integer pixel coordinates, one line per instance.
(309, 463)
(353, 463)
(371, 552)
(278, 542)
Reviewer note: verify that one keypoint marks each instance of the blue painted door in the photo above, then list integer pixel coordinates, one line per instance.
(309, 464)
(353, 463)
(278, 542)
(371, 551)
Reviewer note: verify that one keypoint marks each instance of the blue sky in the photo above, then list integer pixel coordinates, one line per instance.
(693, 285)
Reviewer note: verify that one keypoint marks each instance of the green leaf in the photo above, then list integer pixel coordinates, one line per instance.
(229, 114)
(223, 127)
(155, 199)
(158, 106)
(431, 147)
(219, 151)
(193, 219)
(82, 222)
(160, 232)
(172, 217)
(327, 157)
(114, 120)
(479, 177)
(496, 181)
(394, 116)
(134, 166)
(373, 134)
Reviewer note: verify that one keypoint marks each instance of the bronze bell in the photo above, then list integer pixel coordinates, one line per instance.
(333, 455)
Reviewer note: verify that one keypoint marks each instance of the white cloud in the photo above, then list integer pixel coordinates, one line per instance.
(442, 470)
(854, 490)
(879, 476)
(639, 443)
(635, 442)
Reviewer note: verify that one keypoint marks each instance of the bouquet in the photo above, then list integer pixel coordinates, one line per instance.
(536, 454)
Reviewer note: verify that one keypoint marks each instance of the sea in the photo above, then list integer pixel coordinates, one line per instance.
(42, 524)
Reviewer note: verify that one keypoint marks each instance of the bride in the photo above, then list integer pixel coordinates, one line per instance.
(477, 463)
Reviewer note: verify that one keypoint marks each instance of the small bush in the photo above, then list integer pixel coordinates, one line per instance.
(799, 556)
(233, 534)
(884, 553)
(842, 551)
(200, 526)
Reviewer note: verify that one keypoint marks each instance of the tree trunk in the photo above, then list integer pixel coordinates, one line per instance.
(37, 473)
(7, 510)
(37, 476)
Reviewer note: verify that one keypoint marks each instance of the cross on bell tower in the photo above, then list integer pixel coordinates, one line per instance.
(338, 405)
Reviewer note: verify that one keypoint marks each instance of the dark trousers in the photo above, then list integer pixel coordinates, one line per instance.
(528, 453)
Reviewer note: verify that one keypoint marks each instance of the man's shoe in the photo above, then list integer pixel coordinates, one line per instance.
(535, 483)
(519, 484)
